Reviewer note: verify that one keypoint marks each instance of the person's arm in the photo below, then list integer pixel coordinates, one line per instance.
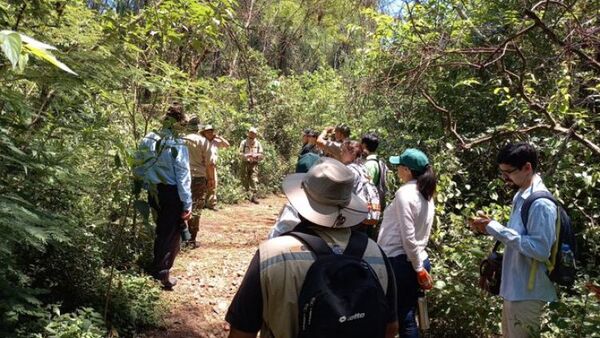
(209, 159)
(183, 177)
(221, 142)
(245, 311)
(322, 139)
(540, 235)
(259, 154)
(242, 151)
(404, 216)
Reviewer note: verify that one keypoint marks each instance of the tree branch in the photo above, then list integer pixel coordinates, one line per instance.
(449, 121)
(20, 16)
(46, 101)
(554, 38)
(502, 133)
(505, 43)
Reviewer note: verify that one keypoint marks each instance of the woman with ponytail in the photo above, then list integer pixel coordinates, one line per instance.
(405, 232)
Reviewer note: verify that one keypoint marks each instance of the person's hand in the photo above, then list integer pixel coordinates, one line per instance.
(479, 222)
(424, 279)
(186, 215)
(329, 129)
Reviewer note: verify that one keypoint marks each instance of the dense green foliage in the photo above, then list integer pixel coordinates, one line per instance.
(455, 78)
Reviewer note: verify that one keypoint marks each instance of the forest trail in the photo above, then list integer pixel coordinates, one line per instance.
(209, 276)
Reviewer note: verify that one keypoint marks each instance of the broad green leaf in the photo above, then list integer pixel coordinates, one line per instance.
(11, 46)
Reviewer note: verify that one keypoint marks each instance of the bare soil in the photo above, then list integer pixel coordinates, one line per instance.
(209, 275)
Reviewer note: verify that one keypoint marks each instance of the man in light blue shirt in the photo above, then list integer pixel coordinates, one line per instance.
(525, 285)
(165, 171)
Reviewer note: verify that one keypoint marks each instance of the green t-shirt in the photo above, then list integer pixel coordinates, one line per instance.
(372, 165)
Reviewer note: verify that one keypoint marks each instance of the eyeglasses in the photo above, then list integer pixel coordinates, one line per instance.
(508, 172)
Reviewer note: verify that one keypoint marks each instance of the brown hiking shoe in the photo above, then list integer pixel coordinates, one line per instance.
(254, 200)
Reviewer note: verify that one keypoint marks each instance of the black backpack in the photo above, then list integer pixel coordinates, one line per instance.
(490, 271)
(562, 270)
(341, 295)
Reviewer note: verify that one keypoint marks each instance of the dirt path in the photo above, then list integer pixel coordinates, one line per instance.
(209, 276)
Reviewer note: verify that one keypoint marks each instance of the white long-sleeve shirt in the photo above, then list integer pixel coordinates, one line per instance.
(407, 224)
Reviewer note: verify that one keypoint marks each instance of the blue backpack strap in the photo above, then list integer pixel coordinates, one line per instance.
(529, 201)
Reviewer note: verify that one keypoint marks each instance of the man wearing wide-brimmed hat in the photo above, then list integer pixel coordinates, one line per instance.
(200, 154)
(216, 142)
(267, 299)
(251, 153)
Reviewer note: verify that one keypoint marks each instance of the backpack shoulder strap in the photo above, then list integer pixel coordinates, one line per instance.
(496, 246)
(357, 245)
(313, 242)
(159, 147)
(529, 201)
(524, 216)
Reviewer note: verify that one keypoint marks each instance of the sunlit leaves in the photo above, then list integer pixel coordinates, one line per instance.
(16, 47)
(11, 46)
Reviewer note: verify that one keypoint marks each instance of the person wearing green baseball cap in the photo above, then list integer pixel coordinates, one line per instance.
(413, 159)
(405, 232)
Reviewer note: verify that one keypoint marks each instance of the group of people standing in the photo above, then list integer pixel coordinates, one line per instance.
(325, 201)
(325, 196)
(178, 167)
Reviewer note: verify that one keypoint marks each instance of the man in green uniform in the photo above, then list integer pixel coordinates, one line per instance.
(251, 153)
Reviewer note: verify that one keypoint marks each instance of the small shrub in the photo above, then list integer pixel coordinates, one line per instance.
(83, 323)
(134, 303)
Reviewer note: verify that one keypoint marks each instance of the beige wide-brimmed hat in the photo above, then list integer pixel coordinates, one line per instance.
(208, 127)
(253, 130)
(324, 195)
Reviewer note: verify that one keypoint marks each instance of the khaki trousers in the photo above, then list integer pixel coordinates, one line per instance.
(211, 194)
(522, 319)
(250, 177)
(198, 196)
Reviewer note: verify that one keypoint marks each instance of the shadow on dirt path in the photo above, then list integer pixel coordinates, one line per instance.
(209, 276)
